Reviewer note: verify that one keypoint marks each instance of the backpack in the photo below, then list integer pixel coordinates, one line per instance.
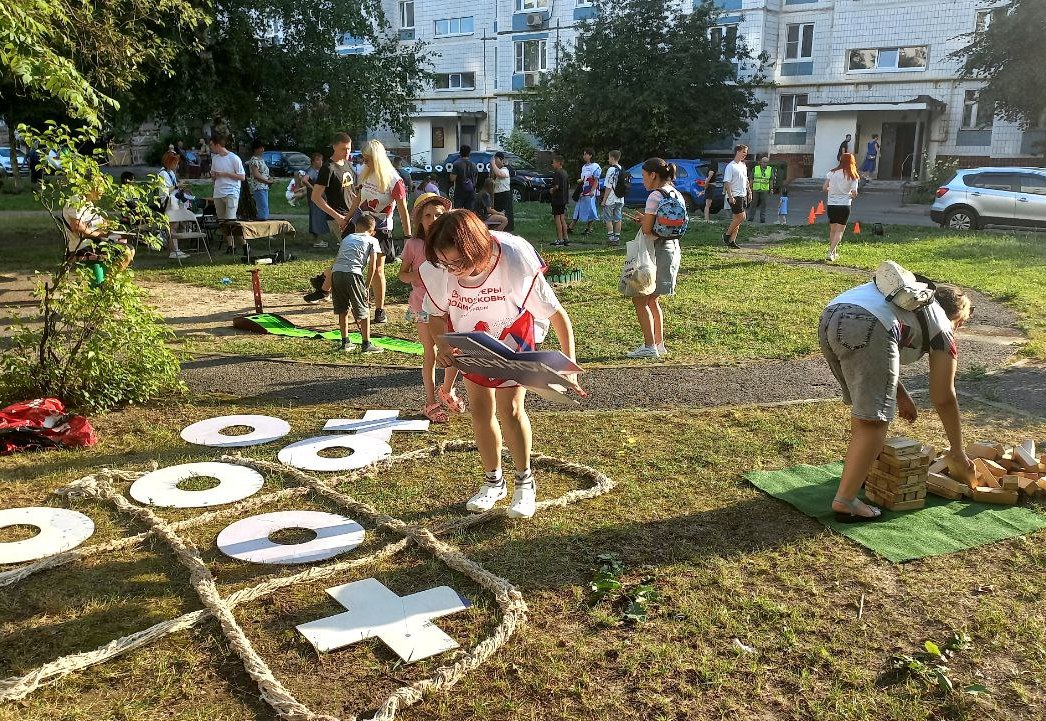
(468, 182)
(622, 182)
(670, 219)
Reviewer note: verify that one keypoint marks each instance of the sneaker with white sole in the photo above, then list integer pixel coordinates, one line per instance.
(492, 491)
(524, 498)
(178, 255)
(661, 350)
(320, 244)
(315, 297)
(370, 349)
(643, 351)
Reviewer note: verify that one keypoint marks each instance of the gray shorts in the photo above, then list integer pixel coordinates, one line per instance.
(864, 358)
(666, 255)
(348, 292)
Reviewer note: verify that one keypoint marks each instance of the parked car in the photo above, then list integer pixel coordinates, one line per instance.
(285, 162)
(977, 197)
(5, 163)
(528, 183)
(690, 181)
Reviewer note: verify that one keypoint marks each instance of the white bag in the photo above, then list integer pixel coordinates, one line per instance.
(639, 274)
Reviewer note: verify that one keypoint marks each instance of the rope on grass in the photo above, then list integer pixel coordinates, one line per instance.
(509, 600)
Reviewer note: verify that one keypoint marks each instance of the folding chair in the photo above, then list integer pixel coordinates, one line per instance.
(188, 229)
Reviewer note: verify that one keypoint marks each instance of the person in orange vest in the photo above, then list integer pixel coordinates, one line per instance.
(761, 184)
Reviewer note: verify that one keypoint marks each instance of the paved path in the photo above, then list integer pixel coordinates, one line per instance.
(871, 206)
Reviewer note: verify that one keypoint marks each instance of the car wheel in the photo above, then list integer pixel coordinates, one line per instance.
(517, 195)
(960, 219)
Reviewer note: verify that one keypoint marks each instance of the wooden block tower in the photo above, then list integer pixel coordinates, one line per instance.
(897, 480)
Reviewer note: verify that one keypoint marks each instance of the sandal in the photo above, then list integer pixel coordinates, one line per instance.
(852, 516)
(451, 401)
(435, 414)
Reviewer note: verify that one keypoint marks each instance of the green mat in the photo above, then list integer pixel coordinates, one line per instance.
(278, 325)
(941, 527)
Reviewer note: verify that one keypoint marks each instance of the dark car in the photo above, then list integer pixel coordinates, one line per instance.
(690, 181)
(285, 162)
(528, 183)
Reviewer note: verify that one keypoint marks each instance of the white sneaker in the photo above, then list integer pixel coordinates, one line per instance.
(178, 255)
(643, 351)
(661, 350)
(320, 244)
(524, 499)
(488, 495)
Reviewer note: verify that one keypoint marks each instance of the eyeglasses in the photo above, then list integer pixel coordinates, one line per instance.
(460, 264)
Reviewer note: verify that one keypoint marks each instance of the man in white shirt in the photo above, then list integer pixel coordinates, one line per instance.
(502, 187)
(227, 172)
(738, 193)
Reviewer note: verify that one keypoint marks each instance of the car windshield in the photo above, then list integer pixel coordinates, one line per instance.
(298, 158)
(6, 153)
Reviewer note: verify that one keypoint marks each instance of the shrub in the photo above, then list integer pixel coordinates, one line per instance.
(518, 143)
(560, 264)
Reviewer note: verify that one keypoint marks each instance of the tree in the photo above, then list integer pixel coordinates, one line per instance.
(648, 80)
(270, 69)
(65, 59)
(1009, 55)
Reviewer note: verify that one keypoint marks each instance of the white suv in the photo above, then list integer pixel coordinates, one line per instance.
(977, 197)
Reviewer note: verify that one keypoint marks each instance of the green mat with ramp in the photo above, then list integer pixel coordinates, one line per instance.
(941, 527)
(278, 325)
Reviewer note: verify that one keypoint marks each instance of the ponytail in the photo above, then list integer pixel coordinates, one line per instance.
(661, 168)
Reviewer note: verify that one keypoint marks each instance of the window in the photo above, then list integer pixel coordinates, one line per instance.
(971, 115)
(519, 109)
(528, 5)
(531, 56)
(788, 116)
(456, 81)
(584, 3)
(454, 26)
(984, 19)
(406, 14)
(350, 45)
(887, 59)
(725, 35)
(799, 43)
(1033, 183)
(993, 181)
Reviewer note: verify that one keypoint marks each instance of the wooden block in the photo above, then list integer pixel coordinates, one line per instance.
(1041, 485)
(996, 470)
(941, 481)
(900, 446)
(938, 466)
(997, 496)
(1028, 445)
(944, 491)
(1026, 459)
(983, 449)
(984, 474)
(1009, 483)
(1025, 485)
(928, 451)
(908, 505)
(1008, 463)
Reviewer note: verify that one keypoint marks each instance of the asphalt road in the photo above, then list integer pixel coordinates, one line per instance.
(873, 205)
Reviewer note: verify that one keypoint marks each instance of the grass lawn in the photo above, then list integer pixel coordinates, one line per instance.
(1007, 266)
(730, 563)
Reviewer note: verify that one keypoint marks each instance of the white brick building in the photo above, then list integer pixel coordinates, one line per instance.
(839, 66)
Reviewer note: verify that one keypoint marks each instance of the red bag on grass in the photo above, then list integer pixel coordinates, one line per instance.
(42, 423)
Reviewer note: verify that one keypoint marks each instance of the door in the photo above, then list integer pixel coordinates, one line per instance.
(904, 150)
(994, 196)
(1031, 200)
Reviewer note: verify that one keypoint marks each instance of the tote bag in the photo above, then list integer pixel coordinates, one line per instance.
(639, 273)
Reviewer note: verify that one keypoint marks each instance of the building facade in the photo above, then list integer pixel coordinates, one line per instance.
(858, 67)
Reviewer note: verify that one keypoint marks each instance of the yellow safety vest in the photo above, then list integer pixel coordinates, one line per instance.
(761, 180)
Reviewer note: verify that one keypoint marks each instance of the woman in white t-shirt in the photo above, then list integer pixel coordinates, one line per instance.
(841, 186)
(478, 280)
(381, 193)
(170, 199)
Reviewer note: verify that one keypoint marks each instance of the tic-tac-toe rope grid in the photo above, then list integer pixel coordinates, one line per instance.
(99, 486)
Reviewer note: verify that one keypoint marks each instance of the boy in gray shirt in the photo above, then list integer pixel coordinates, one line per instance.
(351, 277)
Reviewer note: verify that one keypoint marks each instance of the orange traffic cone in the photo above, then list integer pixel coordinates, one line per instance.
(820, 207)
(810, 219)
(857, 228)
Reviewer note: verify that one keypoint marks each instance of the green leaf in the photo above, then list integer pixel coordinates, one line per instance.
(931, 648)
(975, 689)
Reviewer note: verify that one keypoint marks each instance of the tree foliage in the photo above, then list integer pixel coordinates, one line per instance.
(648, 80)
(1010, 56)
(270, 69)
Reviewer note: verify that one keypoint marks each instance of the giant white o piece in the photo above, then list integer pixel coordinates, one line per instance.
(306, 454)
(60, 530)
(248, 539)
(160, 487)
(209, 432)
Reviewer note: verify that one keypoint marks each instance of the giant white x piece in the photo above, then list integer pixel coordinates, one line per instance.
(376, 424)
(403, 624)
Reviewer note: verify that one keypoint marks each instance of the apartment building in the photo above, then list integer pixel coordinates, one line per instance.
(839, 67)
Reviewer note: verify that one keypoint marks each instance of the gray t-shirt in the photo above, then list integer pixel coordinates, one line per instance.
(354, 253)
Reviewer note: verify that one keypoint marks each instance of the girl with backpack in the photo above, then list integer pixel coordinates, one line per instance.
(866, 334)
(662, 222)
(381, 193)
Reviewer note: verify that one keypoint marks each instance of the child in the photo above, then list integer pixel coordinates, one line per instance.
(296, 189)
(428, 185)
(476, 280)
(427, 208)
(585, 208)
(351, 277)
(559, 196)
(782, 208)
(495, 220)
(613, 205)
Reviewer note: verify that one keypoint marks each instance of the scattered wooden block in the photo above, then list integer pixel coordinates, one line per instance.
(1026, 459)
(984, 474)
(983, 494)
(901, 446)
(908, 505)
(1028, 445)
(984, 449)
(945, 491)
(938, 466)
(995, 469)
(1025, 485)
(1009, 483)
(1040, 484)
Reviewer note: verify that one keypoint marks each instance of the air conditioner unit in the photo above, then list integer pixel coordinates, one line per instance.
(535, 20)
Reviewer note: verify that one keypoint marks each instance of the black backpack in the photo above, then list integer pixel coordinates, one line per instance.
(622, 183)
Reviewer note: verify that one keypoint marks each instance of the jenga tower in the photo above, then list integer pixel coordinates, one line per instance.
(897, 480)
